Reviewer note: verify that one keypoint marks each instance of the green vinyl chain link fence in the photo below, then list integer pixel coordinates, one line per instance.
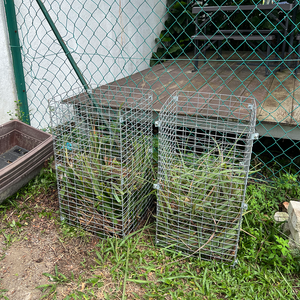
(245, 48)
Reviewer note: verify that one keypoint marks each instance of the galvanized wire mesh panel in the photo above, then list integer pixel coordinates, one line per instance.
(205, 145)
(103, 155)
(171, 45)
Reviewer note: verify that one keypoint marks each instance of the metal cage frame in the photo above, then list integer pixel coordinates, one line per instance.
(103, 155)
(205, 145)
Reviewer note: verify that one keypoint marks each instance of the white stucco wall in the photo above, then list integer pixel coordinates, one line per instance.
(8, 94)
(108, 39)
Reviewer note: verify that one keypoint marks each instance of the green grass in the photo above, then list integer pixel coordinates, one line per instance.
(158, 275)
(135, 268)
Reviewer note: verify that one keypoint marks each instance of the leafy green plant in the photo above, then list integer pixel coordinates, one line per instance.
(175, 39)
(57, 279)
(262, 239)
(289, 187)
(18, 113)
(2, 292)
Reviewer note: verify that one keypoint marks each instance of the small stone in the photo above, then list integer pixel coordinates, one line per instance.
(294, 214)
(281, 216)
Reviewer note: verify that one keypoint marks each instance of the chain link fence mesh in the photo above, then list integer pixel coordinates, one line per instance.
(168, 45)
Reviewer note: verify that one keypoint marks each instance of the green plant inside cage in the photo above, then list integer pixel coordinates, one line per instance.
(107, 185)
(200, 202)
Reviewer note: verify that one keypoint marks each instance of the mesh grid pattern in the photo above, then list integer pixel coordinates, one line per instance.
(103, 154)
(204, 156)
(117, 41)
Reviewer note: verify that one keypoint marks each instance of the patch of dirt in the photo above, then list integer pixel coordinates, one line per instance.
(39, 249)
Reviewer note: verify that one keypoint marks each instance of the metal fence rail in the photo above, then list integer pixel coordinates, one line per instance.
(103, 154)
(205, 144)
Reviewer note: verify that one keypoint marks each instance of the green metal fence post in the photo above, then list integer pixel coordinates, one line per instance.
(17, 59)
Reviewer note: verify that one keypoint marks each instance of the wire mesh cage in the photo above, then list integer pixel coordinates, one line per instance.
(205, 145)
(103, 156)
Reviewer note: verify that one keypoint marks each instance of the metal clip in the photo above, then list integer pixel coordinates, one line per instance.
(254, 136)
(245, 206)
(157, 123)
(156, 186)
(250, 106)
(121, 119)
(175, 98)
(235, 263)
(89, 91)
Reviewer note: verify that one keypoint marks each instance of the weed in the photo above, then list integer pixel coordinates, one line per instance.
(18, 113)
(57, 279)
(262, 241)
(73, 232)
(9, 238)
(2, 292)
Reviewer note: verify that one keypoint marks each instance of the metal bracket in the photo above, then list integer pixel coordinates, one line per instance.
(244, 206)
(254, 136)
(235, 263)
(156, 186)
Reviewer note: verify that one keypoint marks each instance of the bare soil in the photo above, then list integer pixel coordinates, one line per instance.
(38, 248)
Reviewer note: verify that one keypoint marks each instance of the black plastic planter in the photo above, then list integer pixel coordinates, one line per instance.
(23, 150)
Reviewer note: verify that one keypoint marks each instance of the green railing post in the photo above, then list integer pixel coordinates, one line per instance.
(17, 59)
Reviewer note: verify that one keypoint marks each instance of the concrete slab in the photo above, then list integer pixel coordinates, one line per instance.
(294, 214)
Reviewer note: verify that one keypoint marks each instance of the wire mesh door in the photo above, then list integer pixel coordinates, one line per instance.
(205, 144)
(103, 155)
(250, 49)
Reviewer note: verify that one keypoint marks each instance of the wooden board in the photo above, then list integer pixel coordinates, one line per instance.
(277, 105)
(274, 104)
